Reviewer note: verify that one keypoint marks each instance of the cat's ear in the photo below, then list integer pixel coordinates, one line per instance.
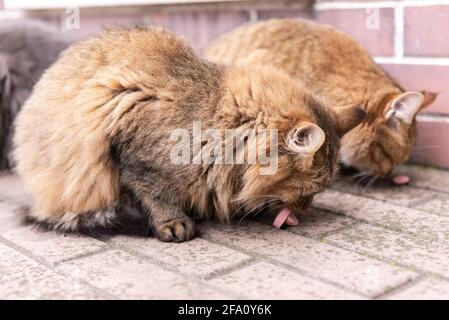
(306, 139)
(405, 106)
(429, 98)
(348, 117)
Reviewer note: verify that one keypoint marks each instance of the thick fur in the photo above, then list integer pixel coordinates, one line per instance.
(27, 48)
(95, 134)
(336, 68)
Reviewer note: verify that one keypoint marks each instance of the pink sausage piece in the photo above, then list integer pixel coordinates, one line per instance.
(285, 216)
(401, 180)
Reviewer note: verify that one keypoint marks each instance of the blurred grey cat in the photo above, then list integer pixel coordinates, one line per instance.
(27, 48)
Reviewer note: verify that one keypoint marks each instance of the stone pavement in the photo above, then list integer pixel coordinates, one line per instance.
(378, 243)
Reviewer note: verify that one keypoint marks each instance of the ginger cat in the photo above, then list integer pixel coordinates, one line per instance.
(338, 69)
(94, 141)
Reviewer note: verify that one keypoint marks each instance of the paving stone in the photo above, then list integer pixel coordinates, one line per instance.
(438, 205)
(431, 288)
(395, 247)
(403, 196)
(24, 278)
(51, 246)
(422, 224)
(266, 281)
(350, 270)
(130, 277)
(317, 223)
(198, 257)
(11, 187)
(426, 177)
(10, 216)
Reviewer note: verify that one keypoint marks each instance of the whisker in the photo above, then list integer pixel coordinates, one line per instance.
(254, 199)
(370, 183)
(273, 208)
(363, 178)
(256, 209)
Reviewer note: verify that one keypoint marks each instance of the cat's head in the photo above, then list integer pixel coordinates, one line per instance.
(308, 139)
(386, 139)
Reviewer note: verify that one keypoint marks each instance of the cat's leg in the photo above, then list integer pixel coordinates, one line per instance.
(168, 222)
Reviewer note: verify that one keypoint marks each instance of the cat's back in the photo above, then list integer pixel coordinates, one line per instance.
(319, 55)
(295, 38)
(66, 124)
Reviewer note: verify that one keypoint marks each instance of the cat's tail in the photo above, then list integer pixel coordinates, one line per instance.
(120, 219)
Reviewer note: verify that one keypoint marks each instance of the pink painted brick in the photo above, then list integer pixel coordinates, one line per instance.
(378, 41)
(427, 226)
(425, 31)
(424, 77)
(349, 270)
(434, 143)
(291, 13)
(398, 248)
(198, 257)
(24, 278)
(92, 24)
(199, 28)
(431, 288)
(267, 281)
(129, 277)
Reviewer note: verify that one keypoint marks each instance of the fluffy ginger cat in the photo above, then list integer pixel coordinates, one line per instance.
(336, 68)
(94, 141)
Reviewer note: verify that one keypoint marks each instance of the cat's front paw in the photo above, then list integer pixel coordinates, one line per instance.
(177, 230)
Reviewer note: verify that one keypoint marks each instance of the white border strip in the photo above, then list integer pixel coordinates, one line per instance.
(378, 4)
(432, 118)
(399, 32)
(425, 61)
(11, 14)
(60, 4)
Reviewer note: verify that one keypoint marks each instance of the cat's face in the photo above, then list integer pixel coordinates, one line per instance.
(385, 141)
(308, 153)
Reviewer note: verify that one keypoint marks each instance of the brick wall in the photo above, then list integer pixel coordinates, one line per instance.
(199, 23)
(407, 37)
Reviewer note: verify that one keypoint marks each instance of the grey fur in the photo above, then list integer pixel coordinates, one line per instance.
(27, 48)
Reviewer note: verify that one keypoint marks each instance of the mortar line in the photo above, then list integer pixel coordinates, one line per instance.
(386, 227)
(385, 259)
(402, 287)
(287, 266)
(83, 255)
(411, 205)
(168, 267)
